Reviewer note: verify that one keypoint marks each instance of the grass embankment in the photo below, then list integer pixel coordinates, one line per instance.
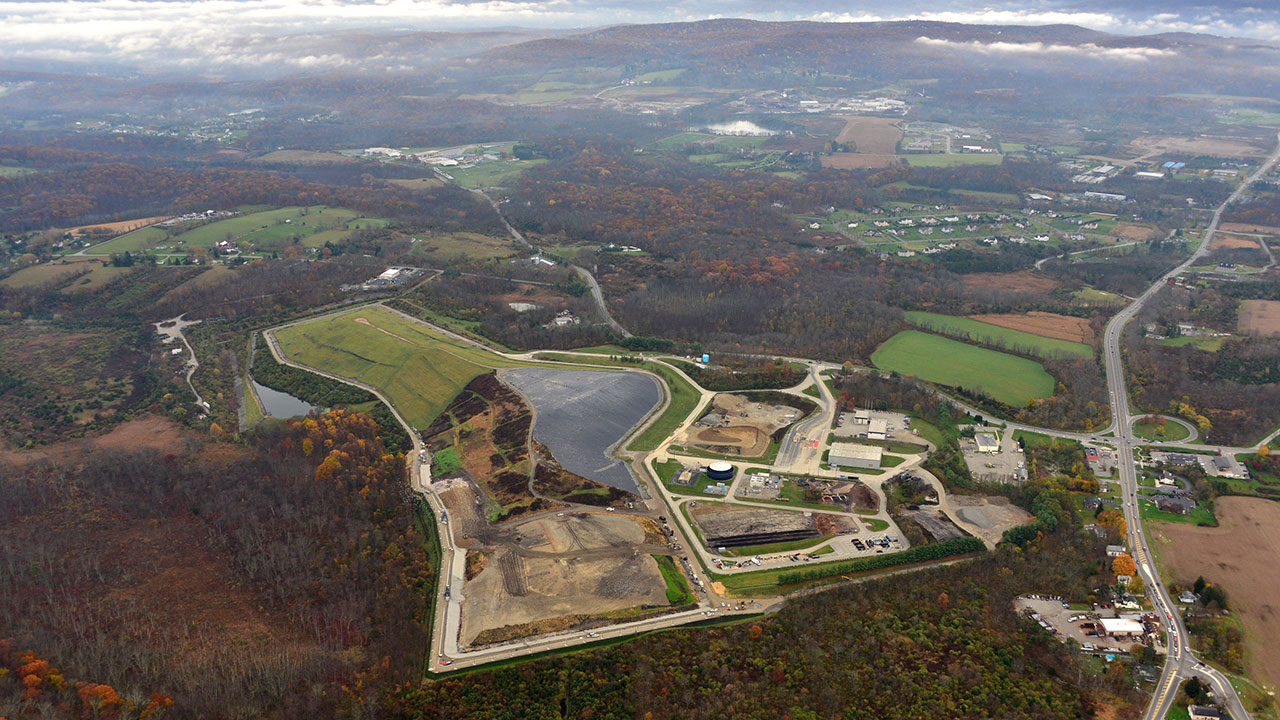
(791, 546)
(1007, 378)
(677, 587)
(996, 335)
(419, 369)
(774, 579)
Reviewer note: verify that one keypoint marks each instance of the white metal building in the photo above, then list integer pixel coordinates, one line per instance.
(855, 456)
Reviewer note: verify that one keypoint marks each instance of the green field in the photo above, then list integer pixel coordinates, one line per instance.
(419, 369)
(266, 230)
(1090, 296)
(492, 172)
(661, 75)
(8, 171)
(1007, 378)
(1208, 343)
(945, 160)
(1147, 428)
(996, 335)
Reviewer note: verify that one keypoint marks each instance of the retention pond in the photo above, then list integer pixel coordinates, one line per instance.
(582, 414)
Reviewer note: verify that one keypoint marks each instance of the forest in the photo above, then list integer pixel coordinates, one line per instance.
(282, 578)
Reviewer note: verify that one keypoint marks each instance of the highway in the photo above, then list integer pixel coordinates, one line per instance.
(1181, 663)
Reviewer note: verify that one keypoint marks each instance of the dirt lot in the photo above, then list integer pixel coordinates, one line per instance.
(1240, 554)
(558, 573)
(580, 531)
(935, 523)
(871, 135)
(1259, 317)
(745, 440)
(989, 516)
(1132, 231)
(747, 429)
(719, 519)
(1045, 324)
(1192, 146)
(1014, 281)
(1227, 240)
(855, 161)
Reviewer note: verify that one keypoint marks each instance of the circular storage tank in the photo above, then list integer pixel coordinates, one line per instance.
(720, 471)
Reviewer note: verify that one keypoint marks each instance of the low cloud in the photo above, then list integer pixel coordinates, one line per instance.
(1085, 50)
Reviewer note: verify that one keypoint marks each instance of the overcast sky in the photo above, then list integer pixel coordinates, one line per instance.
(205, 33)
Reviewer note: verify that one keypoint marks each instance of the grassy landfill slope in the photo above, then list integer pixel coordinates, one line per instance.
(419, 370)
(1007, 378)
(1008, 337)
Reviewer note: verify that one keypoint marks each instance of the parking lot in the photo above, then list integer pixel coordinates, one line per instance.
(1007, 464)
(1058, 618)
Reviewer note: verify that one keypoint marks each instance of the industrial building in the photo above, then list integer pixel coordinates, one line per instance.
(855, 456)
(987, 443)
(877, 429)
(1121, 628)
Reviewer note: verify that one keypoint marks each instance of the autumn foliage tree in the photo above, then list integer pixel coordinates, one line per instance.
(1123, 565)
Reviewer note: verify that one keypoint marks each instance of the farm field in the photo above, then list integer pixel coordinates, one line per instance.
(855, 161)
(944, 160)
(1212, 146)
(419, 369)
(473, 245)
(998, 335)
(492, 172)
(871, 135)
(1024, 281)
(1050, 325)
(1238, 554)
(1259, 317)
(117, 227)
(60, 272)
(9, 171)
(266, 230)
(1007, 378)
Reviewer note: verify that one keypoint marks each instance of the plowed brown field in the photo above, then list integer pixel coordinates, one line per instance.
(1240, 555)
(1259, 317)
(1015, 281)
(1061, 327)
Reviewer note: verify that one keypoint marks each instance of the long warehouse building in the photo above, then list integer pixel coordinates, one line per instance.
(855, 456)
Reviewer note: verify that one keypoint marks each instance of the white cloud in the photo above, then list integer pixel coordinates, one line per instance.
(1089, 50)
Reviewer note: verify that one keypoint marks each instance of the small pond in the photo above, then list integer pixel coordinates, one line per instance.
(280, 404)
